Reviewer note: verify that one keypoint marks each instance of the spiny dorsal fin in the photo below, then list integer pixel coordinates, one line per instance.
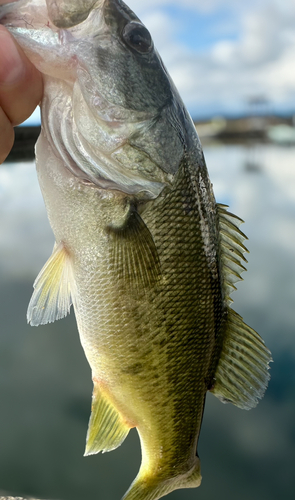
(232, 249)
(242, 373)
(107, 429)
(134, 254)
(51, 299)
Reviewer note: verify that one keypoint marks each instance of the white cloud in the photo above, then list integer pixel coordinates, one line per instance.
(260, 61)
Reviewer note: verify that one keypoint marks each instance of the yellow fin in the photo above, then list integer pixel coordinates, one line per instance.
(242, 373)
(107, 429)
(134, 253)
(51, 299)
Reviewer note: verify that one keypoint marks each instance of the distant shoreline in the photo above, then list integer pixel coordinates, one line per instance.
(246, 129)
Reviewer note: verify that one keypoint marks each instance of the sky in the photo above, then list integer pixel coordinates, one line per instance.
(223, 53)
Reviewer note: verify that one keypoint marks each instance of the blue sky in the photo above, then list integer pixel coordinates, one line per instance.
(220, 53)
(200, 30)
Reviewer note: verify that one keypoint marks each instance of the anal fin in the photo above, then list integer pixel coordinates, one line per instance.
(107, 429)
(53, 288)
(242, 373)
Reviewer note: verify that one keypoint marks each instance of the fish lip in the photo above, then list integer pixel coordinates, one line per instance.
(16, 15)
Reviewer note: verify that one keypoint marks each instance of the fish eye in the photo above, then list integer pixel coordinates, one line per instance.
(137, 37)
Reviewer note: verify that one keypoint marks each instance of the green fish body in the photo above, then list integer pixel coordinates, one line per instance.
(143, 252)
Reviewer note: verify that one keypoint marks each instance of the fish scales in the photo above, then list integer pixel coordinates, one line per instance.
(143, 252)
(185, 311)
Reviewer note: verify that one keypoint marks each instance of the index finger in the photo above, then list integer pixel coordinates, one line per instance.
(21, 85)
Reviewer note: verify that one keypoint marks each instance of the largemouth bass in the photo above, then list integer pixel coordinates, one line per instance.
(143, 252)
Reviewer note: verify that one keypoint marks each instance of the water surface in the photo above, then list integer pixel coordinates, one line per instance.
(45, 385)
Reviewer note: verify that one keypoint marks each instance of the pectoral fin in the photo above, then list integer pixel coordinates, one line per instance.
(242, 373)
(107, 429)
(51, 299)
(133, 252)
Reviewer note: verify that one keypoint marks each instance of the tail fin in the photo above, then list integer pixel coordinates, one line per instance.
(153, 488)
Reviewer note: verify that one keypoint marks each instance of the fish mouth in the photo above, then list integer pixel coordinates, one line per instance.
(78, 17)
(109, 156)
(54, 15)
(70, 13)
(36, 14)
(50, 48)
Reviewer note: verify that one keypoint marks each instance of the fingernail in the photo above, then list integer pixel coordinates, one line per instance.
(11, 64)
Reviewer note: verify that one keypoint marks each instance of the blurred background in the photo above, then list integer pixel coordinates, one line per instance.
(233, 63)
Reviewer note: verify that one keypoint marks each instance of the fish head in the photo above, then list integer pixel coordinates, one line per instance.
(125, 116)
(119, 65)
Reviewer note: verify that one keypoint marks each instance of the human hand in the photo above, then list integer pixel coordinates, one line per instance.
(21, 89)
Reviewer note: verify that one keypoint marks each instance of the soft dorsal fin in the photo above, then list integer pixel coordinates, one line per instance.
(133, 252)
(242, 372)
(107, 429)
(51, 299)
(232, 250)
